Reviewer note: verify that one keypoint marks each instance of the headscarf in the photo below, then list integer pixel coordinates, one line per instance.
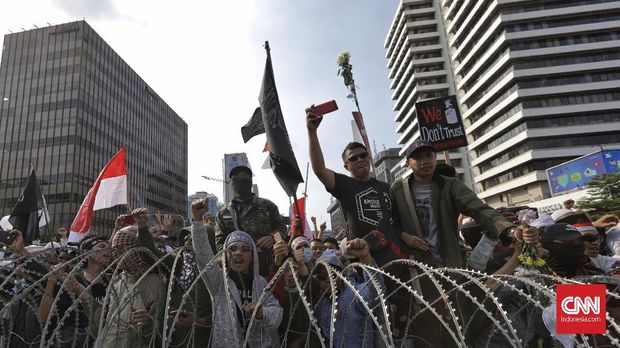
(239, 236)
(126, 239)
(299, 240)
(89, 243)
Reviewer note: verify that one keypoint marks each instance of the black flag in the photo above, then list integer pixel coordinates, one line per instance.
(253, 127)
(281, 154)
(28, 211)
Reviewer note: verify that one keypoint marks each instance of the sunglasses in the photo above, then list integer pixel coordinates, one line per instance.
(243, 248)
(355, 158)
(591, 238)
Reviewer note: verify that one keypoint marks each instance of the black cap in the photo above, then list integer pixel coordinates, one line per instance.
(563, 232)
(239, 168)
(420, 144)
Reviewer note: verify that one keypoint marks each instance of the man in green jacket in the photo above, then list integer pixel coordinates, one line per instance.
(426, 207)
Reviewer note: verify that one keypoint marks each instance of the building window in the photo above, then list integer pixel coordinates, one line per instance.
(564, 41)
(582, 98)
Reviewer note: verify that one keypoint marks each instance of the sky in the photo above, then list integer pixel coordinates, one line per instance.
(206, 60)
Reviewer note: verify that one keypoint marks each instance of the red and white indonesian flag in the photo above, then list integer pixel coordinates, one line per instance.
(109, 189)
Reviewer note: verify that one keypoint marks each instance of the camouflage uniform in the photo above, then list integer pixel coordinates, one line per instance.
(260, 219)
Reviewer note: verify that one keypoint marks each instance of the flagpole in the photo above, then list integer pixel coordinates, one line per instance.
(128, 181)
(45, 213)
(306, 183)
(346, 70)
(290, 239)
(306, 194)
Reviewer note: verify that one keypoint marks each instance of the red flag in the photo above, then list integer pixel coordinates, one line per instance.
(359, 121)
(266, 148)
(109, 189)
(293, 215)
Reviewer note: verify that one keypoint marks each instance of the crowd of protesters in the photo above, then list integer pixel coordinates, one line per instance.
(423, 263)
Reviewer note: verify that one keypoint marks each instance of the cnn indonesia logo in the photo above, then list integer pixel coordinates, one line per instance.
(580, 309)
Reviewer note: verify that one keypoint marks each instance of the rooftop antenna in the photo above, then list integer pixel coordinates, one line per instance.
(384, 148)
(36, 26)
(23, 29)
(48, 23)
(10, 31)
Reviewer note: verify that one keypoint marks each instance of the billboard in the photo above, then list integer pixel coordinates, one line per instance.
(575, 174)
(440, 123)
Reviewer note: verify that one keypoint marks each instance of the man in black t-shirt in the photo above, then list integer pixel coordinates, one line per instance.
(365, 200)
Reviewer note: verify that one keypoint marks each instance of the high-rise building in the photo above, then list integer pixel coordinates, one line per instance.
(213, 204)
(419, 69)
(384, 162)
(337, 217)
(538, 83)
(69, 103)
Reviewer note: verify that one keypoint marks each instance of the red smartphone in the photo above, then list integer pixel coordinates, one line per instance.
(325, 108)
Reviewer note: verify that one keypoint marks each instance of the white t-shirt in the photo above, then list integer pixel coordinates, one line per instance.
(604, 263)
(424, 209)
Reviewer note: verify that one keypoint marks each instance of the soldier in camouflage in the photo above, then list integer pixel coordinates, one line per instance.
(256, 216)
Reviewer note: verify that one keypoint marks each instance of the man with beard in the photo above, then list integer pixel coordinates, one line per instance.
(258, 217)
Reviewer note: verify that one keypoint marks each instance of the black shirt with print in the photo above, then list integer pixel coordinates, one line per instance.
(368, 207)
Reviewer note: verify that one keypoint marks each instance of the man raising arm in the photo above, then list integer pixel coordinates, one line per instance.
(325, 175)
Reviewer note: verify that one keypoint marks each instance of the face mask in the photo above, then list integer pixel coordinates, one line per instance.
(241, 187)
(307, 255)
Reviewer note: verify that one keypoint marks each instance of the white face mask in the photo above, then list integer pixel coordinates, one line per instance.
(307, 255)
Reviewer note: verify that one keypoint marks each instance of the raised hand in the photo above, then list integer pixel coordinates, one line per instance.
(141, 216)
(312, 119)
(359, 248)
(200, 208)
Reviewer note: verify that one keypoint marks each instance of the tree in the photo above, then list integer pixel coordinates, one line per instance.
(603, 197)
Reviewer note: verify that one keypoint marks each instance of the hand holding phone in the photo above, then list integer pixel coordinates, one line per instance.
(325, 108)
(277, 237)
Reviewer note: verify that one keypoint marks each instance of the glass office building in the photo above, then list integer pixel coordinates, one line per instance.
(69, 103)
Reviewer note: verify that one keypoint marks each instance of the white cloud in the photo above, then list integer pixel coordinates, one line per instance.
(90, 9)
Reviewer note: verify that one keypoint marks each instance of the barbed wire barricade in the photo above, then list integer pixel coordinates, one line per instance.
(171, 302)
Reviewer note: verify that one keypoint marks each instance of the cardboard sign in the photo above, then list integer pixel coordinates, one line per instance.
(440, 123)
